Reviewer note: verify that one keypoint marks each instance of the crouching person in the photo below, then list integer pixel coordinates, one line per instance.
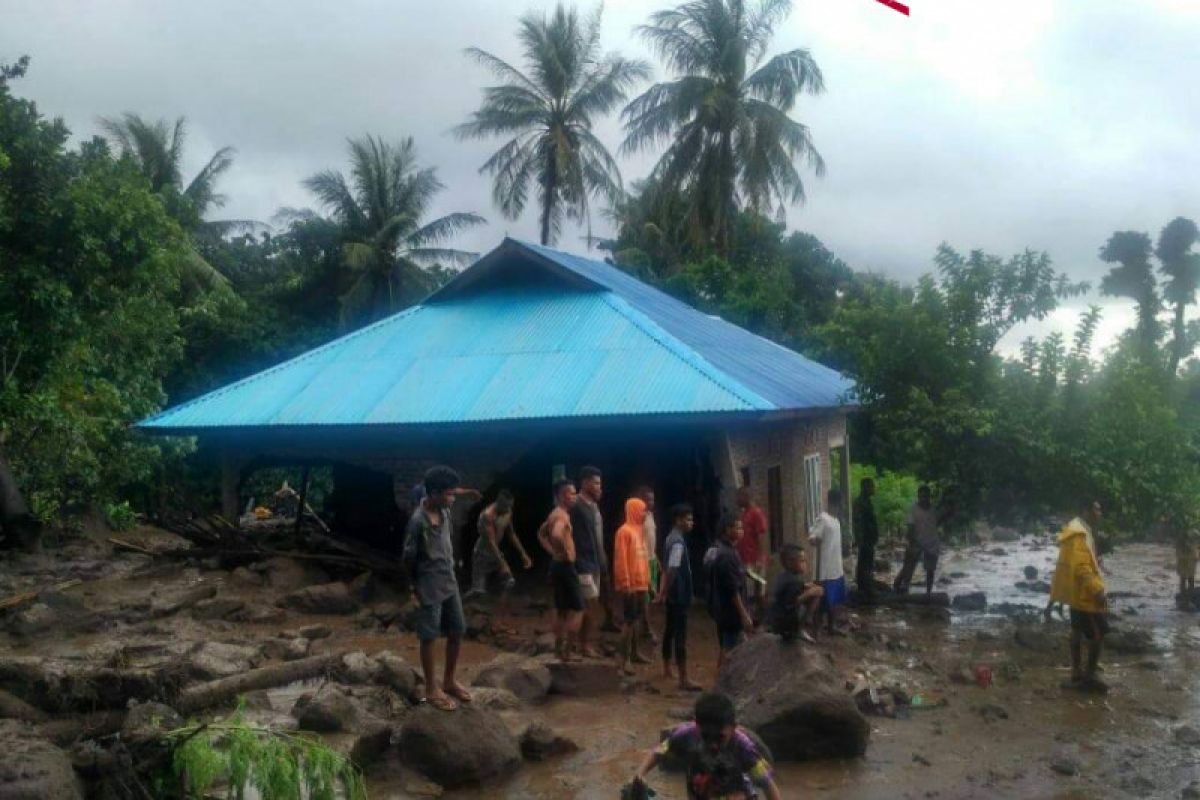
(721, 759)
(794, 605)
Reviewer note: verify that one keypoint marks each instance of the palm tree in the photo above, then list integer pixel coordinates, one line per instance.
(380, 210)
(1182, 269)
(1133, 278)
(725, 115)
(548, 110)
(157, 150)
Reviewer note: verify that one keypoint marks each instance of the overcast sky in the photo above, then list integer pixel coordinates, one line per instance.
(994, 125)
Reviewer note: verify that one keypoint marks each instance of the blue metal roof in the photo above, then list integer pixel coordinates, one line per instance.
(522, 348)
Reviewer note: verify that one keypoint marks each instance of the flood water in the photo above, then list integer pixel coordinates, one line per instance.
(1121, 745)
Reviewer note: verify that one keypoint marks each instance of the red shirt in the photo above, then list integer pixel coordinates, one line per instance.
(754, 526)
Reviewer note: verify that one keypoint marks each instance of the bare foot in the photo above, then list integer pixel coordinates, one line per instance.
(441, 701)
(458, 691)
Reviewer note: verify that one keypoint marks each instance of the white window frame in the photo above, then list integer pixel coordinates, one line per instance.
(812, 487)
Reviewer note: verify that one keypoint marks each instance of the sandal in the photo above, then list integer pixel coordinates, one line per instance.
(442, 703)
(459, 693)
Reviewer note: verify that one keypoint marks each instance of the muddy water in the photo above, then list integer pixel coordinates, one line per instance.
(966, 741)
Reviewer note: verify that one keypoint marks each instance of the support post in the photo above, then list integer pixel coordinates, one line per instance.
(847, 506)
(303, 498)
(231, 473)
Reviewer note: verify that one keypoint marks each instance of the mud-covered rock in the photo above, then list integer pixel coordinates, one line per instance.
(328, 711)
(495, 699)
(539, 742)
(357, 668)
(217, 608)
(286, 649)
(971, 601)
(1131, 641)
(794, 699)
(288, 575)
(32, 768)
(582, 678)
(314, 632)
(212, 660)
(466, 746)
(1187, 735)
(527, 678)
(396, 673)
(325, 598)
(1031, 573)
(146, 721)
(1038, 638)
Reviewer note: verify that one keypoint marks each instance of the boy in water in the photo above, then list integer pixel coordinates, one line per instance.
(794, 604)
(722, 761)
(556, 538)
(487, 562)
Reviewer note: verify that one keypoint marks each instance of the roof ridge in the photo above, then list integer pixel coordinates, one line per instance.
(684, 353)
(307, 354)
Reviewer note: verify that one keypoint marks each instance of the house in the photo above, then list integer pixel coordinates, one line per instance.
(527, 365)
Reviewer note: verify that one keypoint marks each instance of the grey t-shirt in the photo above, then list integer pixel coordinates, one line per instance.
(429, 553)
(925, 524)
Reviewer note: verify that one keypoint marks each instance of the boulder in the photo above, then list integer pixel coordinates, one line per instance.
(329, 711)
(286, 649)
(1131, 641)
(539, 742)
(146, 721)
(794, 699)
(1031, 573)
(582, 678)
(216, 608)
(32, 768)
(357, 668)
(467, 746)
(1040, 587)
(244, 577)
(397, 674)
(362, 588)
(1039, 639)
(258, 614)
(527, 678)
(314, 632)
(285, 574)
(1186, 735)
(971, 601)
(325, 598)
(365, 744)
(495, 699)
(212, 660)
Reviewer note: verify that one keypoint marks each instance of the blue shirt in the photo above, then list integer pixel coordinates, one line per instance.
(675, 555)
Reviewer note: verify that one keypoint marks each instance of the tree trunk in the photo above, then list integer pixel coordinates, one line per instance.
(549, 189)
(204, 695)
(19, 527)
(1179, 344)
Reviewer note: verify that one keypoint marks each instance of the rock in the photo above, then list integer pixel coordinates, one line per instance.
(285, 574)
(991, 712)
(362, 588)
(495, 699)
(582, 678)
(259, 614)
(540, 743)
(1139, 785)
(55, 611)
(397, 674)
(478, 626)
(366, 743)
(997, 551)
(286, 649)
(794, 699)
(37, 618)
(1034, 586)
(527, 678)
(972, 601)
(329, 711)
(1191, 791)
(387, 613)
(216, 608)
(1186, 735)
(544, 643)
(357, 668)
(314, 632)
(1031, 573)
(1065, 764)
(1135, 641)
(418, 787)
(212, 660)
(244, 577)
(464, 747)
(1038, 639)
(32, 768)
(145, 721)
(325, 598)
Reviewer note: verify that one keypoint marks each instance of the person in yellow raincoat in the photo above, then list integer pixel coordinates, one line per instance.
(1078, 584)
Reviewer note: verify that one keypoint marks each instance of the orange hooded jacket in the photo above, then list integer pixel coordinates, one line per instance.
(631, 566)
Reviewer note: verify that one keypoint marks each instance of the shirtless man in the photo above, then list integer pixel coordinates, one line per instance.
(556, 538)
(487, 562)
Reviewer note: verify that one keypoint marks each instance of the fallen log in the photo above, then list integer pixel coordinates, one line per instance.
(61, 686)
(13, 707)
(68, 730)
(121, 544)
(205, 695)
(21, 599)
(165, 607)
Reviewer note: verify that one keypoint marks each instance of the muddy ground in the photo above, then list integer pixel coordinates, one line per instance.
(1023, 736)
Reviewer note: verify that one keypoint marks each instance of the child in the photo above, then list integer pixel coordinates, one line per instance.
(727, 588)
(631, 579)
(1185, 562)
(722, 761)
(794, 604)
(676, 593)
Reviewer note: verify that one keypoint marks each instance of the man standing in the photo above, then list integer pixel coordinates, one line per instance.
(676, 593)
(495, 525)
(429, 557)
(866, 528)
(923, 543)
(591, 561)
(556, 538)
(650, 531)
(754, 545)
(826, 536)
(727, 588)
(631, 579)
(1077, 581)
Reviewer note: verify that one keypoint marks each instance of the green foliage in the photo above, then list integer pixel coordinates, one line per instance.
(276, 764)
(895, 493)
(120, 516)
(548, 109)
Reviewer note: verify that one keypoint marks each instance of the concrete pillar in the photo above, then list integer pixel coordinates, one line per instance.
(846, 488)
(231, 478)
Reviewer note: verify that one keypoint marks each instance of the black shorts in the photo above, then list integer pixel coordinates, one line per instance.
(1093, 625)
(568, 596)
(633, 606)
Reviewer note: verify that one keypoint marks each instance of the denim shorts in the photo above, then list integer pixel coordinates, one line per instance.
(441, 619)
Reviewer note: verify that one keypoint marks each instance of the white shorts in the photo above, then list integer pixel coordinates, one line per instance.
(588, 587)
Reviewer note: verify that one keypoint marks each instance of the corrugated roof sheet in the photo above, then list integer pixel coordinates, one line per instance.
(523, 349)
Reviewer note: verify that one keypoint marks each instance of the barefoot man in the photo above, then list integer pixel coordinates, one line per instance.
(429, 557)
(556, 538)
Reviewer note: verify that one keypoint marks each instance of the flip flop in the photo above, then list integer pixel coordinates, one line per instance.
(460, 694)
(442, 703)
